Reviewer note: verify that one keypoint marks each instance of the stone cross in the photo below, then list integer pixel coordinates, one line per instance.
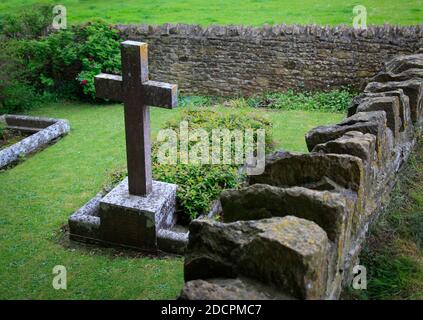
(137, 93)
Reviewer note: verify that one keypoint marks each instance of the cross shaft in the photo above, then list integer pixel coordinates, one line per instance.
(137, 93)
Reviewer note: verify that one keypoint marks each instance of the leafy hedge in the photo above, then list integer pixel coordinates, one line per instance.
(61, 64)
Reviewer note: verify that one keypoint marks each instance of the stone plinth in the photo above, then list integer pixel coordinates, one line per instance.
(135, 220)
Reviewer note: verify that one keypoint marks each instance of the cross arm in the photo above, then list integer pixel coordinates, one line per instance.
(108, 86)
(160, 94)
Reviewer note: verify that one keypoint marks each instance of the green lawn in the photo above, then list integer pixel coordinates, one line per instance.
(249, 12)
(38, 195)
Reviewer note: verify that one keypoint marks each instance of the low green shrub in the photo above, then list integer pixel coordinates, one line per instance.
(199, 185)
(333, 101)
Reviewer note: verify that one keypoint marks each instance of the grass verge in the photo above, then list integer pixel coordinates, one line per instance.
(393, 253)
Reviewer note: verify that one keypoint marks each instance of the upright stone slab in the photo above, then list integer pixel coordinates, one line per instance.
(289, 254)
(134, 220)
(412, 88)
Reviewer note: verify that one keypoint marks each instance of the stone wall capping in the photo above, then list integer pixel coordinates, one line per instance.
(293, 56)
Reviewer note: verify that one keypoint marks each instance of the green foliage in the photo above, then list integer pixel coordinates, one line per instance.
(196, 101)
(16, 94)
(2, 127)
(30, 24)
(70, 59)
(199, 185)
(333, 101)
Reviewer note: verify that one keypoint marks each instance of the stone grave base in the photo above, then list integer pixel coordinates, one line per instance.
(145, 223)
(43, 131)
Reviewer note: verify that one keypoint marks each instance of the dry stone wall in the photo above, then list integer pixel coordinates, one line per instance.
(238, 60)
(297, 229)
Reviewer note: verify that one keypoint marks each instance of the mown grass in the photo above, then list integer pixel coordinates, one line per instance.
(38, 195)
(247, 12)
(393, 254)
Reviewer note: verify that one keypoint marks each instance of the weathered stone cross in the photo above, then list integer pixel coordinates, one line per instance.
(137, 94)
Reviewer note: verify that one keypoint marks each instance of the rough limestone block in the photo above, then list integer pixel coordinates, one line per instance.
(332, 211)
(391, 107)
(412, 88)
(354, 143)
(230, 289)
(53, 129)
(297, 247)
(261, 201)
(134, 220)
(402, 63)
(384, 76)
(366, 122)
(404, 105)
(314, 171)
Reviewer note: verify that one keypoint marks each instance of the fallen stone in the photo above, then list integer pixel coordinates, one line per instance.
(298, 249)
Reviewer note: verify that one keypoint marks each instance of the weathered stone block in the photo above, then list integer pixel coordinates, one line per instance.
(401, 68)
(366, 122)
(402, 63)
(313, 171)
(297, 247)
(404, 105)
(134, 220)
(412, 88)
(230, 289)
(403, 76)
(390, 105)
(261, 201)
(354, 143)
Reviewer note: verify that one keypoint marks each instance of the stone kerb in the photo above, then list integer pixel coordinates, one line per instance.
(43, 132)
(341, 186)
